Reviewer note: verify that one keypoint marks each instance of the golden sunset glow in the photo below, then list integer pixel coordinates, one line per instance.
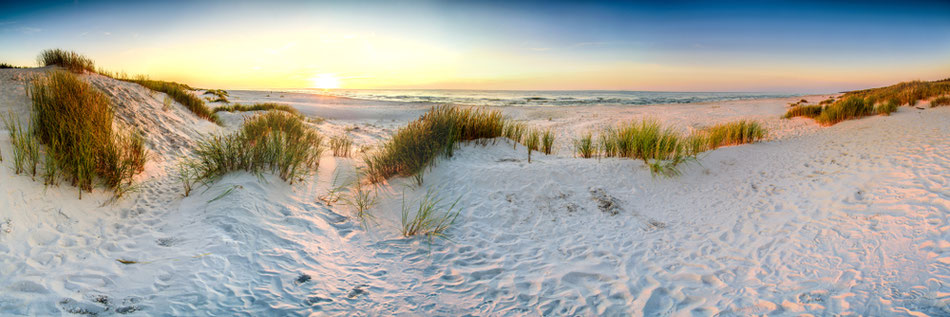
(325, 81)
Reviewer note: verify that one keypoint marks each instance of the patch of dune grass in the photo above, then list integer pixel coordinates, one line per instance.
(734, 133)
(180, 93)
(886, 108)
(5, 65)
(845, 109)
(532, 141)
(584, 146)
(221, 94)
(905, 92)
(547, 142)
(69, 60)
(275, 141)
(75, 122)
(259, 107)
(940, 101)
(515, 132)
(662, 149)
(26, 148)
(431, 218)
(340, 145)
(361, 199)
(810, 111)
(435, 134)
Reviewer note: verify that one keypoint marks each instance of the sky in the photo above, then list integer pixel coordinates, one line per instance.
(800, 46)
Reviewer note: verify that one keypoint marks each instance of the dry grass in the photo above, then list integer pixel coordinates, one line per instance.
(74, 120)
(547, 142)
(845, 109)
(940, 101)
(584, 146)
(341, 145)
(180, 93)
(259, 107)
(69, 60)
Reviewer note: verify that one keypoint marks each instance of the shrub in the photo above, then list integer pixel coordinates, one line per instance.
(341, 145)
(845, 109)
(274, 141)
(810, 111)
(180, 93)
(74, 120)
(428, 219)
(940, 101)
(734, 133)
(436, 133)
(547, 142)
(69, 60)
(259, 107)
(584, 147)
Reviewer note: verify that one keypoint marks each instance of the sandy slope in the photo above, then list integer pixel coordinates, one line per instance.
(847, 219)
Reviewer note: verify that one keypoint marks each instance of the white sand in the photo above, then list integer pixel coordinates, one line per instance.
(850, 219)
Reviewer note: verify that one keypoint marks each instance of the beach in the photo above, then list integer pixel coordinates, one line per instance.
(845, 219)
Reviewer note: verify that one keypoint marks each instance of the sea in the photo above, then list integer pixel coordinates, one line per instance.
(540, 97)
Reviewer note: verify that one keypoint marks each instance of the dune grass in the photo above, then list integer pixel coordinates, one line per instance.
(5, 65)
(734, 133)
(259, 107)
(662, 149)
(221, 94)
(886, 108)
(940, 101)
(532, 141)
(26, 148)
(515, 131)
(74, 120)
(180, 93)
(547, 142)
(340, 145)
(431, 218)
(809, 111)
(906, 92)
(69, 60)
(274, 141)
(435, 134)
(584, 146)
(845, 109)
(361, 198)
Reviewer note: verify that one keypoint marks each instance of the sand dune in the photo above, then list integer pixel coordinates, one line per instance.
(849, 219)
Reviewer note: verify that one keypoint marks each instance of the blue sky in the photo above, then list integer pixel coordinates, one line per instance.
(678, 46)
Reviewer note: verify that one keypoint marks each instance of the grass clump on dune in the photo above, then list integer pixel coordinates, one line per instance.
(70, 60)
(431, 217)
(74, 120)
(340, 145)
(584, 146)
(547, 142)
(259, 107)
(940, 101)
(5, 65)
(906, 93)
(275, 141)
(845, 109)
(435, 134)
(221, 94)
(26, 148)
(810, 111)
(662, 149)
(734, 133)
(180, 93)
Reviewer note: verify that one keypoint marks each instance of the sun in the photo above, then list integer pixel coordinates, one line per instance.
(325, 81)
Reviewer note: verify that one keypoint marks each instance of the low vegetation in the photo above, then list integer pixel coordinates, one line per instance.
(845, 109)
(734, 133)
(69, 60)
(221, 94)
(340, 145)
(74, 121)
(532, 141)
(361, 199)
(431, 218)
(180, 93)
(809, 111)
(905, 93)
(660, 148)
(940, 101)
(26, 148)
(584, 146)
(435, 134)
(274, 141)
(547, 142)
(5, 65)
(259, 107)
